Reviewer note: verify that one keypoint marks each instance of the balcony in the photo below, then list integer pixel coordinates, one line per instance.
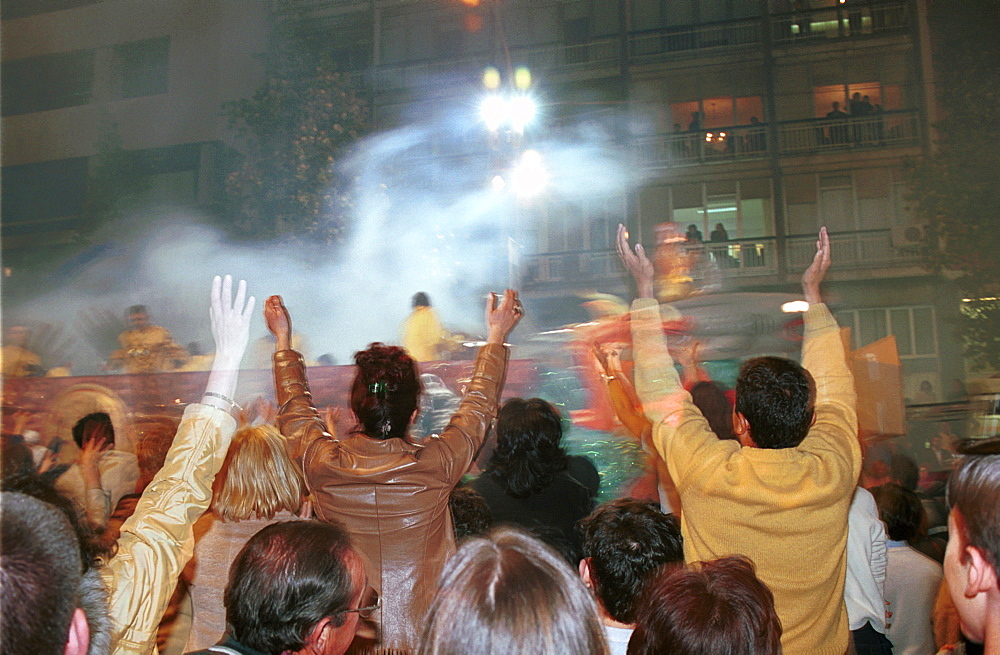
(743, 142)
(851, 250)
(693, 40)
(843, 21)
(742, 259)
(891, 129)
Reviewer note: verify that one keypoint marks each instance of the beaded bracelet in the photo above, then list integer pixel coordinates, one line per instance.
(232, 403)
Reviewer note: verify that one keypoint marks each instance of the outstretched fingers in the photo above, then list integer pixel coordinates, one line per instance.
(503, 316)
(231, 316)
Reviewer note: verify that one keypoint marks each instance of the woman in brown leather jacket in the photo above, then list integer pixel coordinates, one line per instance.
(391, 494)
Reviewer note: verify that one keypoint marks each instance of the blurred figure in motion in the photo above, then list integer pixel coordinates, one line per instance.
(146, 348)
(103, 474)
(17, 360)
(423, 337)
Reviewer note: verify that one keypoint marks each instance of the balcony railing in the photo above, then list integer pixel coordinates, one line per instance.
(884, 129)
(737, 258)
(891, 129)
(553, 56)
(862, 249)
(566, 266)
(691, 40)
(842, 21)
(683, 148)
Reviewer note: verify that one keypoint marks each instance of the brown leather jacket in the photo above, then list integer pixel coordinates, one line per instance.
(391, 495)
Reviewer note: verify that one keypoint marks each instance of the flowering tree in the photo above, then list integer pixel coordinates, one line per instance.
(299, 122)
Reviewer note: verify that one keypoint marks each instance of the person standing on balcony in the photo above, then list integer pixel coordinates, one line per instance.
(838, 129)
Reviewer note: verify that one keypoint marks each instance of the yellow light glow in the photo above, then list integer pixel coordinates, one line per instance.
(522, 78)
(491, 78)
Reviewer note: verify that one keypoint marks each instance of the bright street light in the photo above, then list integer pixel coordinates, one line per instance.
(529, 177)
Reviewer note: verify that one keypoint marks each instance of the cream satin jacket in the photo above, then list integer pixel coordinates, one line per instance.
(157, 540)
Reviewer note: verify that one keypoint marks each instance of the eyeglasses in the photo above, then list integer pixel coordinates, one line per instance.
(374, 604)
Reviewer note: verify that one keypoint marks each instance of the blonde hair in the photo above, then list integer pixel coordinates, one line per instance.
(258, 478)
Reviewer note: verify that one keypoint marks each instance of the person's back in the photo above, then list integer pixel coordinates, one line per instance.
(258, 485)
(391, 493)
(531, 482)
(782, 498)
(911, 579)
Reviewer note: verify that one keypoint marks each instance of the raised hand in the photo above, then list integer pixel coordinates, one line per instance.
(278, 322)
(90, 458)
(231, 330)
(636, 262)
(814, 275)
(230, 320)
(501, 318)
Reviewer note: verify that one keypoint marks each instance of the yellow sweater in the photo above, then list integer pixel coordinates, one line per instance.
(786, 509)
(423, 335)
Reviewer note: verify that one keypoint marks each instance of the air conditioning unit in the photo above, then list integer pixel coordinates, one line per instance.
(909, 236)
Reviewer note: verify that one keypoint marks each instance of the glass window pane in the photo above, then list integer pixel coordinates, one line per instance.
(718, 112)
(802, 219)
(722, 209)
(846, 319)
(900, 319)
(755, 218)
(144, 67)
(871, 325)
(682, 114)
(691, 216)
(687, 195)
(825, 96)
(923, 321)
(874, 213)
(747, 108)
(837, 209)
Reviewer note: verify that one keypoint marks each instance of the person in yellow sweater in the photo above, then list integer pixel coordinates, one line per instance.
(423, 336)
(779, 495)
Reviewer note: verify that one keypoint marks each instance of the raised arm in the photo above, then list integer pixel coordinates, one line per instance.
(680, 434)
(836, 428)
(656, 380)
(156, 541)
(298, 419)
(466, 430)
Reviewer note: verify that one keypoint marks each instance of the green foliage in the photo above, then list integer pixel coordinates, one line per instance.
(956, 189)
(300, 121)
(980, 328)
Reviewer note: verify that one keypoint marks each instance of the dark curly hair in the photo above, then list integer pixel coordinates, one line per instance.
(528, 454)
(386, 391)
(627, 540)
(775, 396)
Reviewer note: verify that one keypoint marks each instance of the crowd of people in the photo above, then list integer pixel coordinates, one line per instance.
(768, 532)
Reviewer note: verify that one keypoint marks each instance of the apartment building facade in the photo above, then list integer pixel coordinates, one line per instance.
(725, 105)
